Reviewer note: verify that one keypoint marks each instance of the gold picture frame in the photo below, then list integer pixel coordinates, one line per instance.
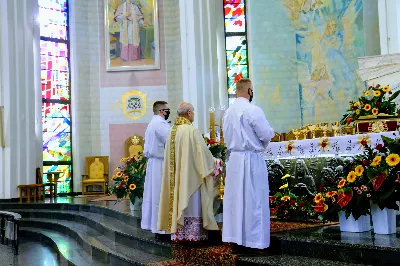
(131, 35)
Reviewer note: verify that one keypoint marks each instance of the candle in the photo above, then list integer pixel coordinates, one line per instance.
(221, 133)
(212, 123)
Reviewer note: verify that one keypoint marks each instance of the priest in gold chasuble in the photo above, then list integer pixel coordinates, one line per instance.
(187, 190)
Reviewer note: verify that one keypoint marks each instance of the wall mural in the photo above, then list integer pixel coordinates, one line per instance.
(329, 39)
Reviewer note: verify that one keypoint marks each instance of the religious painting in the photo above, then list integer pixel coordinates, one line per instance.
(131, 35)
(134, 104)
(329, 38)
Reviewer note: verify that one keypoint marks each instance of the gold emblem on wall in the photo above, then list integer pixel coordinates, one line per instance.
(134, 104)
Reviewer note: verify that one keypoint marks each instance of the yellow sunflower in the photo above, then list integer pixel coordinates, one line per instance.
(359, 170)
(377, 93)
(284, 186)
(351, 177)
(376, 161)
(393, 159)
(386, 88)
(126, 178)
(356, 103)
(318, 198)
(119, 174)
(375, 111)
(357, 111)
(132, 186)
(367, 93)
(285, 198)
(367, 107)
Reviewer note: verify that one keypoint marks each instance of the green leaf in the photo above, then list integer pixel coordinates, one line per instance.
(394, 96)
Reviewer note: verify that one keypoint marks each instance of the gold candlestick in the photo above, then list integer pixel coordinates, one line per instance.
(221, 132)
(212, 123)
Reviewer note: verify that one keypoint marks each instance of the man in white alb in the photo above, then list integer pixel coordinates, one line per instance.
(154, 146)
(246, 198)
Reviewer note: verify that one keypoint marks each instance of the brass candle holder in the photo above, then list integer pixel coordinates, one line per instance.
(324, 128)
(312, 129)
(221, 187)
(336, 129)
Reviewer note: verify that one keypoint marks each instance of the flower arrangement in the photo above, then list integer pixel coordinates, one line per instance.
(217, 149)
(382, 171)
(286, 205)
(128, 179)
(376, 100)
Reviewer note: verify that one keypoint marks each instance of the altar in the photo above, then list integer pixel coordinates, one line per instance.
(348, 145)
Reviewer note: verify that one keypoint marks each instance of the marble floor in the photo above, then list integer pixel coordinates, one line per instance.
(31, 253)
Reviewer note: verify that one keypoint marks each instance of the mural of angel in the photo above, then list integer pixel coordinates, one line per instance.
(329, 39)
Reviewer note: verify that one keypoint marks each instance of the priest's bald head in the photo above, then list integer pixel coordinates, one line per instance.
(186, 110)
(244, 89)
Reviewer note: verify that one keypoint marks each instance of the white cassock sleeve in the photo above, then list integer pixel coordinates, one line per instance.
(261, 126)
(162, 132)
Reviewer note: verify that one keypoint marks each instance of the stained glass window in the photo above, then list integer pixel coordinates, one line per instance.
(235, 44)
(56, 93)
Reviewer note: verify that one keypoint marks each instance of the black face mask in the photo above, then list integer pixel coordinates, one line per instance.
(251, 96)
(167, 112)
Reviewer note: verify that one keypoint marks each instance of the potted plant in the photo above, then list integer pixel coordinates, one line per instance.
(128, 180)
(352, 199)
(383, 169)
(287, 205)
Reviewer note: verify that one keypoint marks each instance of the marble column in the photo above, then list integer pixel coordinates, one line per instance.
(20, 94)
(200, 60)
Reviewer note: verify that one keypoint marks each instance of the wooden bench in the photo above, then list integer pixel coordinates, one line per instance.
(37, 191)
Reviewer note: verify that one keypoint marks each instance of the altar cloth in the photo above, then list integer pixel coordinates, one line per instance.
(330, 146)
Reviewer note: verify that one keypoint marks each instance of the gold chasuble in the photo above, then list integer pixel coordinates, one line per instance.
(187, 167)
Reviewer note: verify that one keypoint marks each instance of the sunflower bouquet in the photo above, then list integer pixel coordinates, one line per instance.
(375, 101)
(128, 178)
(382, 172)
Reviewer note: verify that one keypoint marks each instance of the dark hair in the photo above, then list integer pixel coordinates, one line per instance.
(158, 105)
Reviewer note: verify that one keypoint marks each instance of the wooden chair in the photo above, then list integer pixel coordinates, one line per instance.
(96, 174)
(133, 145)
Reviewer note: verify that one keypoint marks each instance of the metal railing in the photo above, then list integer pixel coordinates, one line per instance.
(9, 228)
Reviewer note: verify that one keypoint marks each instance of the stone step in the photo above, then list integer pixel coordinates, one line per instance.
(112, 228)
(104, 249)
(68, 250)
(287, 260)
(331, 244)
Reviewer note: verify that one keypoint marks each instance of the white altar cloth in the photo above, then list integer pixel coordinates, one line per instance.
(320, 147)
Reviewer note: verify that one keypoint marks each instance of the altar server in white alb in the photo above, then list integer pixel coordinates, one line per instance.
(246, 198)
(156, 134)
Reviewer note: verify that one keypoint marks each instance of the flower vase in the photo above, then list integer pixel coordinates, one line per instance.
(363, 223)
(136, 208)
(384, 221)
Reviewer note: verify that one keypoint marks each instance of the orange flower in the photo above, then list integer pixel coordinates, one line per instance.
(367, 107)
(320, 207)
(375, 111)
(330, 194)
(341, 183)
(119, 174)
(132, 186)
(126, 178)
